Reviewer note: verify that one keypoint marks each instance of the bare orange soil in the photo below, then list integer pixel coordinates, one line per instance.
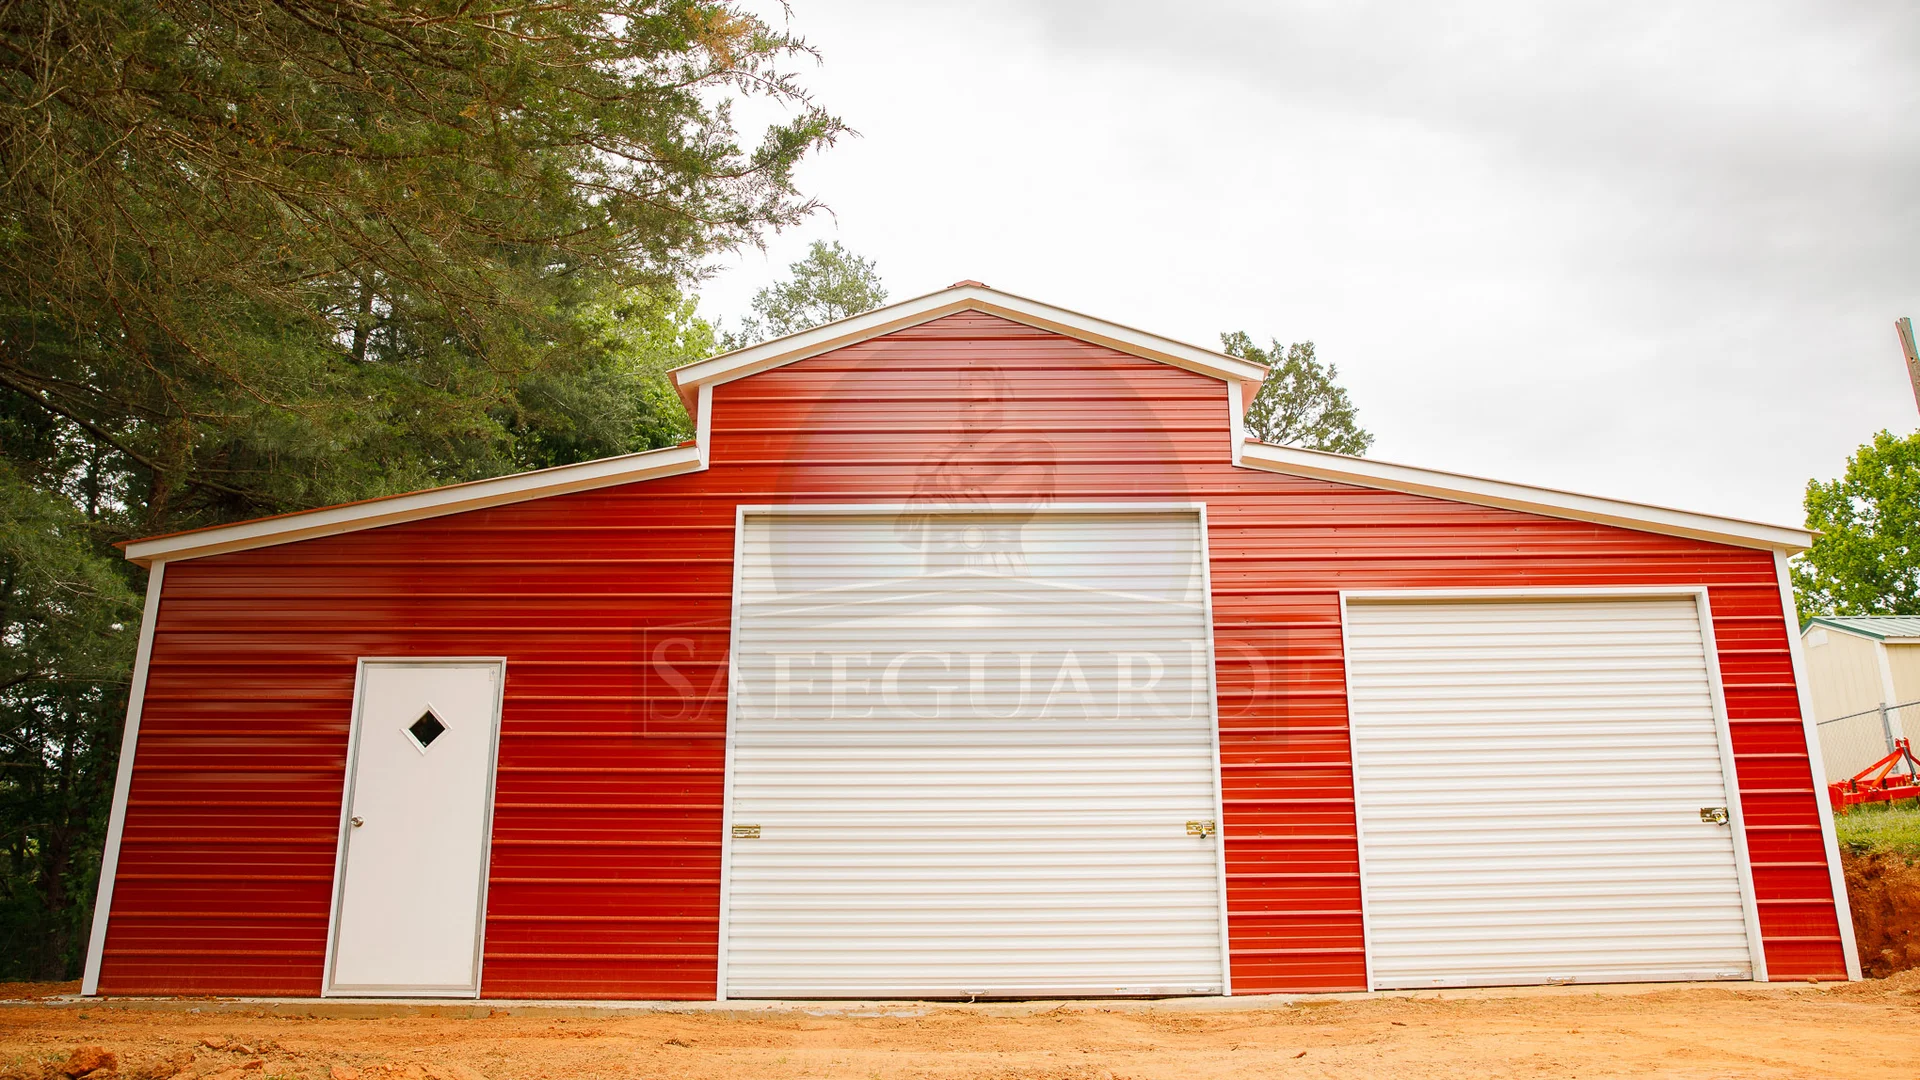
(1869, 1029)
(1883, 888)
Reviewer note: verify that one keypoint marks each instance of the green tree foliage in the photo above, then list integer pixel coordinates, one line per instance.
(67, 624)
(265, 250)
(1866, 560)
(830, 283)
(262, 255)
(621, 399)
(1302, 402)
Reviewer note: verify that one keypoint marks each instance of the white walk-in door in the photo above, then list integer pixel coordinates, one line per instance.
(410, 886)
(1541, 793)
(972, 754)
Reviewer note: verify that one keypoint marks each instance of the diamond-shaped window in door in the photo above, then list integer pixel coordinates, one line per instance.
(426, 729)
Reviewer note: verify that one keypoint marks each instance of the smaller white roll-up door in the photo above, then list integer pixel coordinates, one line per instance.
(1530, 780)
(972, 754)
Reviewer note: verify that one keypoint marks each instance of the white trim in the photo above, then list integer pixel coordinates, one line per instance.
(1548, 593)
(1730, 771)
(703, 425)
(1756, 944)
(879, 508)
(726, 771)
(1219, 779)
(418, 746)
(1888, 696)
(1457, 487)
(434, 502)
(346, 817)
(935, 305)
(696, 382)
(122, 784)
(354, 730)
(1237, 418)
(1836, 875)
(1353, 782)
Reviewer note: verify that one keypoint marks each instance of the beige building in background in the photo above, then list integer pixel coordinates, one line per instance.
(1855, 665)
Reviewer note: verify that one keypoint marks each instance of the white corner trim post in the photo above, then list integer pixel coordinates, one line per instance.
(1888, 694)
(703, 424)
(123, 781)
(1237, 417)
(1842, 910)
(1359, 824)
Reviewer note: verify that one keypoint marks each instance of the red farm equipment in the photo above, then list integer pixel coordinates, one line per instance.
(1878, 783)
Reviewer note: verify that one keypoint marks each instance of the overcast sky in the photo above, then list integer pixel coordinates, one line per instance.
(1651, 251)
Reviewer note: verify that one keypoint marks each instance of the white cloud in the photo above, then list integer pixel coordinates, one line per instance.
(1647, 251)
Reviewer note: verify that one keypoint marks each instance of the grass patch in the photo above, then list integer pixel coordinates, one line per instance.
(1880, 828)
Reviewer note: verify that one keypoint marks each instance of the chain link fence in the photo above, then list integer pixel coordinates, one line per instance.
(1852, 742)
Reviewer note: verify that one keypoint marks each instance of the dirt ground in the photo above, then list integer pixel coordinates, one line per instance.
(1869, 1029)
(1883, 888)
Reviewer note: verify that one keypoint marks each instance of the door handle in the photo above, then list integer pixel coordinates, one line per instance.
(357, 821)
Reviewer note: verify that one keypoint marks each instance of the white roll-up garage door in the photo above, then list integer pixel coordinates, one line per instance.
(1531, 778)
(972, 755)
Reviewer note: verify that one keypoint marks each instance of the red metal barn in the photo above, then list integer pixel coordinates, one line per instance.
(970, 650)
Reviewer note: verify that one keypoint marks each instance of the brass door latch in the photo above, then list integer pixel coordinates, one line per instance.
(1714, 815)
(1201, 829)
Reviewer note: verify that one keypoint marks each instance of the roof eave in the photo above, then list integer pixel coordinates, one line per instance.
(691, 379)
(1458, 487)
(416, 505)
(1851, 624)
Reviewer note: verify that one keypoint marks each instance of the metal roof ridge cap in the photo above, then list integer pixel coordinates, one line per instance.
(414, 505)
(1504, 494)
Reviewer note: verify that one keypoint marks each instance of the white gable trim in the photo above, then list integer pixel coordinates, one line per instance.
(434, 502)
(921, 309)
(1365, 472)
(696, 383)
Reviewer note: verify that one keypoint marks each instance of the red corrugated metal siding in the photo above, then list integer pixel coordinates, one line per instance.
(612, 608)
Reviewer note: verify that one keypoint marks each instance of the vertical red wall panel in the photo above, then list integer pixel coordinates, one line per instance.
(612, 609)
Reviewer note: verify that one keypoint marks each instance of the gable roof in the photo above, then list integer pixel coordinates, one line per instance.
(1878, 627)
(958, 297)
(696, 382)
